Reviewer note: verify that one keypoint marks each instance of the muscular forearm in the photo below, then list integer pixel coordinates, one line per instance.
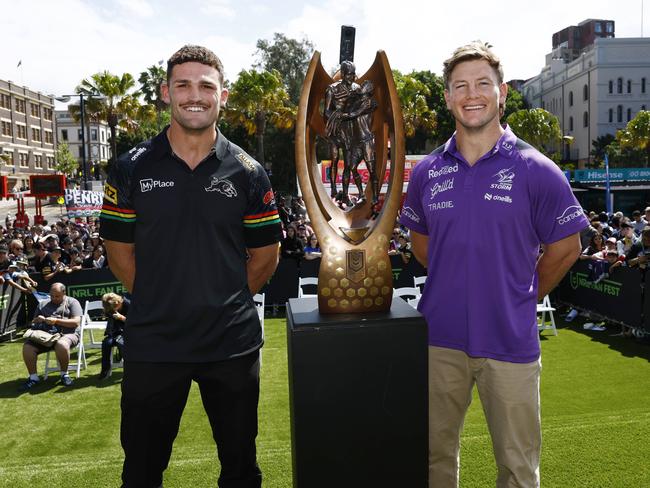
(551, 270)
(122, 262)
(260, 267)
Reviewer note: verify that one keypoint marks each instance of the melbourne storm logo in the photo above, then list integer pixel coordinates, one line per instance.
(223, 186)
(504, 179)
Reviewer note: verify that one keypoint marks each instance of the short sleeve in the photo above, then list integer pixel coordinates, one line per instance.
(262, 225)
(556, 212)
(118, 217)
(412, 215)
(74, 307)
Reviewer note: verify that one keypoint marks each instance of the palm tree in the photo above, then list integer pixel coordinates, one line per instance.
(417, 114)
(116, 105)
(258, 97)
(150, 81)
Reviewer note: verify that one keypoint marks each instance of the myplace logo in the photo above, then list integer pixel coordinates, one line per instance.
(149, 184)
(570, 213)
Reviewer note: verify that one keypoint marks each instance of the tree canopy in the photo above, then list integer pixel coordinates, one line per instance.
(539, 128)
(636, 135)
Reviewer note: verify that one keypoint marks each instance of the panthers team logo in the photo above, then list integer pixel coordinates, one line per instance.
(223, 186)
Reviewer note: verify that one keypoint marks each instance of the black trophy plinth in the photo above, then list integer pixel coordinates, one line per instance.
(358, 395)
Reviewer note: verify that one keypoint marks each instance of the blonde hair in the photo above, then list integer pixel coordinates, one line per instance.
(468, 52)
(111, 301)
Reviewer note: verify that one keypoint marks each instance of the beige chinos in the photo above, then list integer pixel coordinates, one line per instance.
(509, 393)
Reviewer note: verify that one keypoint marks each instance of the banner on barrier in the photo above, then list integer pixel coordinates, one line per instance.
(83, 203)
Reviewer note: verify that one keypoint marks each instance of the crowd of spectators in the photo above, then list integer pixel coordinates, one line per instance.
(617, 240)
(52, 250)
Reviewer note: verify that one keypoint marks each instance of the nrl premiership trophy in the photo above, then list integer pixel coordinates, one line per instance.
(356, 118)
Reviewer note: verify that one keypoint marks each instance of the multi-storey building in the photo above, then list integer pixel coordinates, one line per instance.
(27, 133)
(97, 134)
(593, 82)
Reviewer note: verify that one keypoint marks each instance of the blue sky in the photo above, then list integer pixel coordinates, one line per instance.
(62, 41)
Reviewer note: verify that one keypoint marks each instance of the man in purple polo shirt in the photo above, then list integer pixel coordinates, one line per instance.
(479, 208)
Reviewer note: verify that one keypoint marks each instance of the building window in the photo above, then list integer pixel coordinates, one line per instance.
(642, 85)
(609, 27)
(103, 151)
(570, 123)
(619, 113)
(570, 99)
(598, 28)
(93, 134)
(611, 87)
(64, 134)
(5, 101)
(585, 119)
(10, 161)
(21, 131)
(38, 161)
(48, 137)
(20, 105)
(629, 86)
(36, 134)
(35, 109)
(81, 152)
(47, 113)
(619, 85)
(611, 115)
(6, 128)
(24, 163)
(585, 92)
(629, 114)
(102, 135)
(50, 162)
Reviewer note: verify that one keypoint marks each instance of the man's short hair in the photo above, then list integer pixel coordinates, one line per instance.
(469, 52)
(197, 54)
(58, 287)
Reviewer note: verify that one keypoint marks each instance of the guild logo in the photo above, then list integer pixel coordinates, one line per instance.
(149, 184)
(223, 186)
(448, 184)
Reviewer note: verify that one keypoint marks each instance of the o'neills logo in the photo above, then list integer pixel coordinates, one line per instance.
(138, 152)
(445, 170)
(410, 213)
(150, 184)
(448, 184)
(570, 213)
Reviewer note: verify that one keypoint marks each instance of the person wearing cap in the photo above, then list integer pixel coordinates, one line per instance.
(96, 260)
(479, 300)
(17, 277)
(57, 266)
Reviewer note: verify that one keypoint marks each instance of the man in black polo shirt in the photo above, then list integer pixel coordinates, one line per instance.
(192, 321)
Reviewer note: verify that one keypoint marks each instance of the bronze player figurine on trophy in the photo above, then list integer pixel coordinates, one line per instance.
(359, 117)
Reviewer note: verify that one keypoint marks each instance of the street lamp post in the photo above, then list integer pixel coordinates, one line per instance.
(82, 114)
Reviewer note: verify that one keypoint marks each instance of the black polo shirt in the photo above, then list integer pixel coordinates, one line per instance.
(198, 309)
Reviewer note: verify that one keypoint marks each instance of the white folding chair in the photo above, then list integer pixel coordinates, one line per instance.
(93, 325)
(306, 281)
(80, 351)
(409, 291)
(544, 308)
(419, 280)
(258, 300)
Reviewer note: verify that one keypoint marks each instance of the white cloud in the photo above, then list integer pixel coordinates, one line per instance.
(140, 8)
(220, 8)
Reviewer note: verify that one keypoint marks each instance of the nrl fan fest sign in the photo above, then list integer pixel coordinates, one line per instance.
(83, 203)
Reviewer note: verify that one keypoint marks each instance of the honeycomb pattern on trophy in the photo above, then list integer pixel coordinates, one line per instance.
(362, 292)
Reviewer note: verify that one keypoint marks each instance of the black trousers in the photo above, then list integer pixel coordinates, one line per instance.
(153, 399)
(107, 349)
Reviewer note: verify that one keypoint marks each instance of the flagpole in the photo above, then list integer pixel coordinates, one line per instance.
(608, 198)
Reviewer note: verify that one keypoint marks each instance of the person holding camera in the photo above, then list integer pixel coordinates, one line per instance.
(116, 307)
(61, 314)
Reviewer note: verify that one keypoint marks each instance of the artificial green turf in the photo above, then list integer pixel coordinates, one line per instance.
(595, 415)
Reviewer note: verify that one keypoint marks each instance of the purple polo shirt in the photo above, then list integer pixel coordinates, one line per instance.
(485, 224)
